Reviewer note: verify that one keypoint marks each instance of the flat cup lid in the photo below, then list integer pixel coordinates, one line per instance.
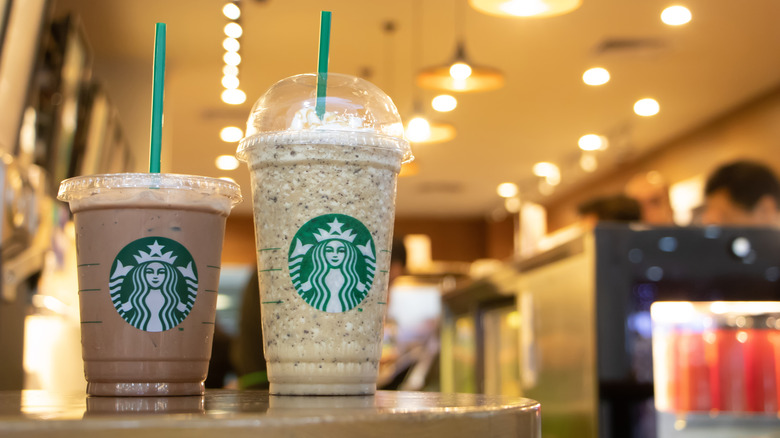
(361, 114)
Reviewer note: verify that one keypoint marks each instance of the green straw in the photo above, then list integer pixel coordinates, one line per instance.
(322, 63)
(158, 84)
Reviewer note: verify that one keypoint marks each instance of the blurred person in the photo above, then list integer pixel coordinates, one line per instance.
(613, 208)
(652, 193)
(745, 193)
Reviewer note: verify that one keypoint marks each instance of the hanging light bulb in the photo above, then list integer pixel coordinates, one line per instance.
(232, 11)
(233, 96)
(444, 103)
(231, 58)
(646, 107)
(230, 70)
(460, 75)
(229, 81)
(226, 162)
(460, 70)
(231, 134)
(418, 129)
(233, 30)
(231, 44)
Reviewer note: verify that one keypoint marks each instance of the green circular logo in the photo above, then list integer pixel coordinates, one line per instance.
(153, 283)
(332, 262)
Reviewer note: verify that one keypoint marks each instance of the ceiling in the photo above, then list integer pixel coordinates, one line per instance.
(725, 56)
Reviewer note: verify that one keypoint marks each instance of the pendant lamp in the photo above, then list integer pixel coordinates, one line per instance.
(525, 8)
(460, 75)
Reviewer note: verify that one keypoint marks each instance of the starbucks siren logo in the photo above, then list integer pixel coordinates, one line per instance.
(153, 283)
(332, 262)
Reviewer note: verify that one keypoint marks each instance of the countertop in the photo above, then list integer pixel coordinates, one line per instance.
(236, 414)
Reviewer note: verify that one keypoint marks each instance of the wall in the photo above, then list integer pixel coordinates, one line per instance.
(749, 131)
(461, 240)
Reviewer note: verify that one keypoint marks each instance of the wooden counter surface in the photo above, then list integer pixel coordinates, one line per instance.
(236, 414)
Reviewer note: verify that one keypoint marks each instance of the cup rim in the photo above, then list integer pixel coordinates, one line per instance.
(78, 187)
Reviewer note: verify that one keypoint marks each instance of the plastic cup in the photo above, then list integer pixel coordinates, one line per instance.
(148, 248)
(324, 206)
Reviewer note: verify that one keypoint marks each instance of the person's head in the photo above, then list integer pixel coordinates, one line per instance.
(397, 260)
(742, 193)
(652, 193)
(615, 208)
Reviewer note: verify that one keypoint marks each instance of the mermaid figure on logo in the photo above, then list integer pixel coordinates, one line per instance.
(334, 277)
(153, 295)
(338, 273)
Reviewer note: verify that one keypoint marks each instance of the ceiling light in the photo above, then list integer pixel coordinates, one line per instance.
(233, 96)
(231, 134)
(507, 190)
(592, 142)
(233, 30)
(596, 76)
(444, 103)
(646, 107)
(549, 171)
(232, 58)
(226, 162)
(232, 11)
(525, 8)
(229, 81)
(676, 15)
(460, 71)
(418, 129)
(231, 44)
(230, 70)
(460, 75)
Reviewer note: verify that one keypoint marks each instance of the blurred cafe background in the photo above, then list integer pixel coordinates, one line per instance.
(659, 326)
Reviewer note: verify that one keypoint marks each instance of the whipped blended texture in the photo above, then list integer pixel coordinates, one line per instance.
(342, 174)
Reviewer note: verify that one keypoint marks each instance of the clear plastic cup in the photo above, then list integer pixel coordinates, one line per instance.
(323, 192)
(148, 248)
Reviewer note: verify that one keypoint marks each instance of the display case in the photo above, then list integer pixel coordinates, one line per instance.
(583, 326)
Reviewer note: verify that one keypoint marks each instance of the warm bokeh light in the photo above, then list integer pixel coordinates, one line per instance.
(596, 76)
(231, 44)
(230, 70)
(549, 171)
(676, 15)
(592, 142)
(231, 10)
(524, 8)
(233, 96)
(507, 190)
(444, 103)
(589, 163)
(460, 71)
(230, 81)
(418, 129)
(646, 107)
(232, 58)
(233, 30)
(513, 205)
(231, 134)
(226, 162)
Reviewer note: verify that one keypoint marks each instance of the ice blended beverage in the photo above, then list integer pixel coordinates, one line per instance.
(148, 250)
(323, 188)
